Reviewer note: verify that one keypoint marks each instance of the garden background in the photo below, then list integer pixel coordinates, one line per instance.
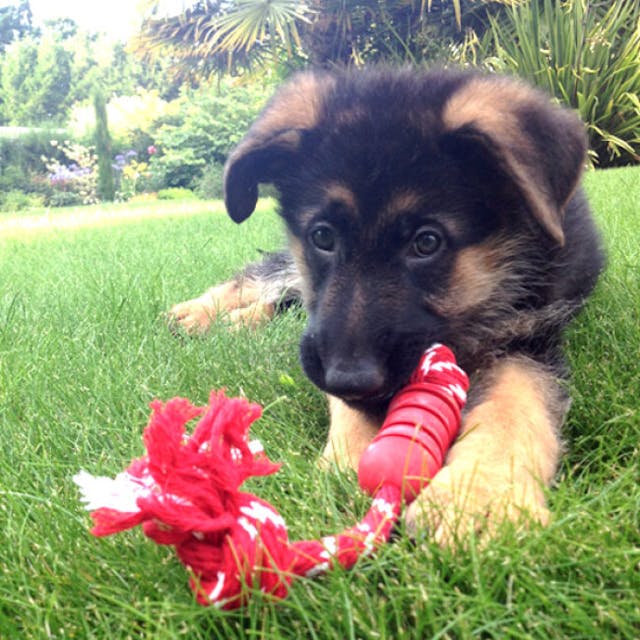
(84, 343)
(84, 119)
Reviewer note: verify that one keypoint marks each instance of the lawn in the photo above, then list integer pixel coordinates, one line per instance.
(84, 348)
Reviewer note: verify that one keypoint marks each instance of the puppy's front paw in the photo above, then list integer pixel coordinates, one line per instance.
(193, 316)
(239, 304)
(463, 500)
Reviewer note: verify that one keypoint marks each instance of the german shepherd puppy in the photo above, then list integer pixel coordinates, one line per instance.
(424, 207)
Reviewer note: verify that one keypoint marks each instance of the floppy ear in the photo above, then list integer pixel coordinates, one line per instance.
(538, 147)
(273, 141)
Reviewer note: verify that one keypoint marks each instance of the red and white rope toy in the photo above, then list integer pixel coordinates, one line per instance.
(185, 491)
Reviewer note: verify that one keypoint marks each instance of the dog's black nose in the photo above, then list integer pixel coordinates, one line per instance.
(354, 379)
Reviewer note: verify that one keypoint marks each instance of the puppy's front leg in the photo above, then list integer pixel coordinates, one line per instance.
(506, 454)
(237, 301)
(249, 299)
(350, 433)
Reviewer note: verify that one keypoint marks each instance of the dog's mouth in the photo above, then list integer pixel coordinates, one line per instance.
(366, 383)
(374, 409)
(374, 405)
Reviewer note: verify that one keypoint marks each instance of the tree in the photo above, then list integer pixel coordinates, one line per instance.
(217, 36)
(36, 81)
(43, 74)
(106, 188)
(355, 32)
(228, 35)
(16, 21)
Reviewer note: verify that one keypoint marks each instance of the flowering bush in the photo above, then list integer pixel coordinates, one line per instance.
(131, 175)
(75, 182)
(121, 160)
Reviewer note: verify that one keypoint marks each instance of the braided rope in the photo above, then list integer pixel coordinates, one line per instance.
(185, 491)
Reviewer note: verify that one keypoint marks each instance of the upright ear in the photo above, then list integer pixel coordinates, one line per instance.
(273, 141)
(539, 148)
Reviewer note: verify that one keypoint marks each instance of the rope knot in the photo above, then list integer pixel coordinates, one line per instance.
(186, 492)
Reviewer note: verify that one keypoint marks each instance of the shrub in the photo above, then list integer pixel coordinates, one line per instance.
(19, 201)
(211, 121)
(176, 193)
(210, 184)
(21, 155)
(130, 118)
(587, 54)
(65, 199)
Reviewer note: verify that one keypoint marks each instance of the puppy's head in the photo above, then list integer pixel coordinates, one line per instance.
(407, 197)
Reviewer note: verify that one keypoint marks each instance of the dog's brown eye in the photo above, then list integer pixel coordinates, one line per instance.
(323, 238)
(426, 243)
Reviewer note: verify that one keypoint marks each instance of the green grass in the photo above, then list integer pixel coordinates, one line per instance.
(84, 348)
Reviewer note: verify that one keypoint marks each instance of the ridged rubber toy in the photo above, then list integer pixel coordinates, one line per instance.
(186, 492)
(422, 421)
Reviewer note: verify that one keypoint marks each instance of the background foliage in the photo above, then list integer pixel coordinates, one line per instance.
(205, 128)
(182, 93)
(84, 345)
(586, 54)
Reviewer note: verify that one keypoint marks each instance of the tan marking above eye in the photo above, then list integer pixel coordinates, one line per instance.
(409, 201)
(337, 192)
(404, 201)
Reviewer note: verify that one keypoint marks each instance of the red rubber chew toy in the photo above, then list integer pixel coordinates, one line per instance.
(185, 491)
(422, 422)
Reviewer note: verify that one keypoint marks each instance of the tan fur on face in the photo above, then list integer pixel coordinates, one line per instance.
(400, 203)
(337, 193)
(341, 193)
(404, 201)
(478, 273)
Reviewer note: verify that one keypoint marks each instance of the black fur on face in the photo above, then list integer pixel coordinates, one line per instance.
(379, 244)
(422, 208)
